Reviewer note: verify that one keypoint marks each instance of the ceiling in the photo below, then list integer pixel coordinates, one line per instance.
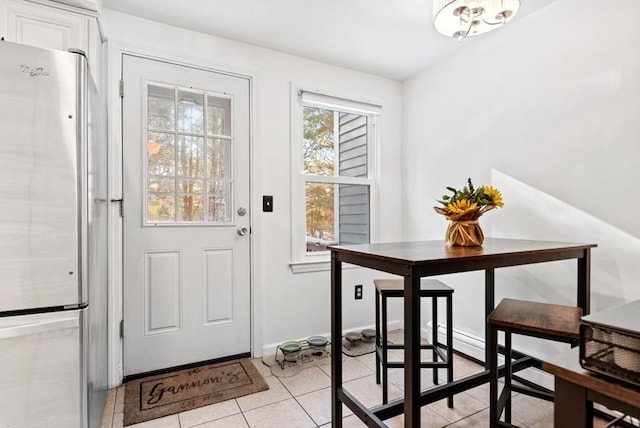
(389, 38)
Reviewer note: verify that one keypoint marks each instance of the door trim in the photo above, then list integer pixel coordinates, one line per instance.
(116, 50)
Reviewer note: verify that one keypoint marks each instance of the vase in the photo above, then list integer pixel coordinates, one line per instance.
(464, 233)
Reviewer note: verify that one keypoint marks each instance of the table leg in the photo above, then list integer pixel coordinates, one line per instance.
(584, 282)
(571, 407)
(411, 351)
(489, 305)
(336, 340)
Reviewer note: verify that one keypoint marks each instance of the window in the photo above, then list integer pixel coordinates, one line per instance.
(333, 185)
(188, 162)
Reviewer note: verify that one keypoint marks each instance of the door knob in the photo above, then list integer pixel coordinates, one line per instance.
(242, 230)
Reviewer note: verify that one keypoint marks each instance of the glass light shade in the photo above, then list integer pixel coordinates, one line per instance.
(468, 18)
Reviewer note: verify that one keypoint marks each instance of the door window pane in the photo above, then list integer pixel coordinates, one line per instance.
(161, 185)
(161, 108)
(190, 208)
(188, 174)
(190, 156)
(191, 186)
(160, 154)
(218, 115)
(190, 112)
(160, 208)
(217, 158)
(219, 206)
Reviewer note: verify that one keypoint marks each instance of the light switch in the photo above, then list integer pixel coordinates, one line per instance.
(267, 203)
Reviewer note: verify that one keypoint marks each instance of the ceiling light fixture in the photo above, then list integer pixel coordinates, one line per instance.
(468, 18)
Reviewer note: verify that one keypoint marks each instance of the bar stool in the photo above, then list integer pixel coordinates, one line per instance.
(433, 288)
(542, 320)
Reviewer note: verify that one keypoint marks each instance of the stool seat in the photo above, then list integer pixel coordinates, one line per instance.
(433, 288)
(395, 287)
(542, 320)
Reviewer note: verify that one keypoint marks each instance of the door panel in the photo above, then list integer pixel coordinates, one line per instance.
(186, 174)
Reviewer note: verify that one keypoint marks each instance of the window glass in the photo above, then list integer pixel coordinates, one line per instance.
(161, 108)
(335, 144)
(217, 158)
(188, 170)
(190, 111)
(218, 116)
(318, 141)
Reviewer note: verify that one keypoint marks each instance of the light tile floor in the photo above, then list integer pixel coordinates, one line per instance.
(304, 401)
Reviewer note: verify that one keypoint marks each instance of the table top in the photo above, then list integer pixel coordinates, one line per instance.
(434, 252)
(567, 366)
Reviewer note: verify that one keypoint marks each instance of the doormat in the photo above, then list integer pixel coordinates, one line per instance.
(169, 393)
(306, 359)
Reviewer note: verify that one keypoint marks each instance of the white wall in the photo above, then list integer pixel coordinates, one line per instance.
(290, 306)
(547, 109)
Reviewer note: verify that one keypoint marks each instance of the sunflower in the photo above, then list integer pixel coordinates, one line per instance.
(469, 202)
(495, 196)
(462, 206)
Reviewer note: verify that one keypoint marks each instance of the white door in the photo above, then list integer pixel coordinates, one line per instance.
(186, 215)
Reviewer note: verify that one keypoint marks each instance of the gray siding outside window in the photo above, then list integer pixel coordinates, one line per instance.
(353, 200)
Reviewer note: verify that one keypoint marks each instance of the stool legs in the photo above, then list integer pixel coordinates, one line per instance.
(434, 336)
(433, 289)
(385, 358)
(492, 344)
(377, 336)
(500, 401)
(507, 376)
(449, 347)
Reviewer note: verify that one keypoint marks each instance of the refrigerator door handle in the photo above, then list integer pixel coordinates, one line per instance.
(38, 328)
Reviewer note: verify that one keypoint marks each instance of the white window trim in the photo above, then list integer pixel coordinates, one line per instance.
(301, 261)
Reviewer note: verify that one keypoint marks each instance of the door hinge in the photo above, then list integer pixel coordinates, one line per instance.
(121, 329)
(121, 205)
(121, 90)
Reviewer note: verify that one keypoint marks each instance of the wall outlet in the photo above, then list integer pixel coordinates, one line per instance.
(358, 292)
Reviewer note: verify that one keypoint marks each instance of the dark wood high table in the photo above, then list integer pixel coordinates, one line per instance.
(414, 260)
(576, 390)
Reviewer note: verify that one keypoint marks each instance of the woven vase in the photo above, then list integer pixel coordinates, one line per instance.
(466, 233)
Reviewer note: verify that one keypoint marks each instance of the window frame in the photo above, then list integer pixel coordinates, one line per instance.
(301, 260)
(146, 223)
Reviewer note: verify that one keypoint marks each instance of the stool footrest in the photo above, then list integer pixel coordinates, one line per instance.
(532, 392)
(400, 346)
(423, 364)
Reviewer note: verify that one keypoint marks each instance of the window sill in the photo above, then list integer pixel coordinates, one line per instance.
(315, 266)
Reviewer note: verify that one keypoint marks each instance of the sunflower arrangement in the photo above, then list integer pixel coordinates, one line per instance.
(463, 208)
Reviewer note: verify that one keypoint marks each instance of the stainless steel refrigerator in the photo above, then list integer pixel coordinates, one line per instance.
(53, 240)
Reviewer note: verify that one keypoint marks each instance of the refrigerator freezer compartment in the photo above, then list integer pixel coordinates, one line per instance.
(41, 370)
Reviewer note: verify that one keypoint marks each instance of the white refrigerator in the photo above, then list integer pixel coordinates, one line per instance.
(53, 246)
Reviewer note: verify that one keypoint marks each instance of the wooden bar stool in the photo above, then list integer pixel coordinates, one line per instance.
(542, 320)
(386, 288)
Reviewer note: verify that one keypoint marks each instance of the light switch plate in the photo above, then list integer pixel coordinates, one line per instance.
(267, 203)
